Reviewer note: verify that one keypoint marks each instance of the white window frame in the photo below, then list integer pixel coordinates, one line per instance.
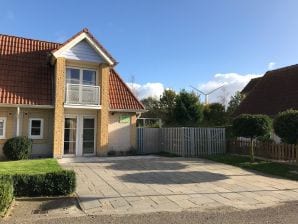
(4, 127)
(41, 128)
(81, 69)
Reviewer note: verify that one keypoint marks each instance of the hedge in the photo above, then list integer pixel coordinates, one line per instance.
(49, 184)
(6, 193)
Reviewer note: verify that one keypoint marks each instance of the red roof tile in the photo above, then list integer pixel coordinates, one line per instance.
(276, 91)
(121, 96)
(26, 76)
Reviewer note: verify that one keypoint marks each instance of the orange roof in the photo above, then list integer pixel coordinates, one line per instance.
(27, 77)
(121, 97)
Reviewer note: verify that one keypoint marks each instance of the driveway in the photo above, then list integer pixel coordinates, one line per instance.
(141, 184)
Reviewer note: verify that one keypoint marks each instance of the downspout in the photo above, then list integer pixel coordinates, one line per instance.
(18, 121)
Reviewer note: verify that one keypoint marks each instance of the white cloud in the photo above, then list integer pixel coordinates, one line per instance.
(232, 82)
(149, 89)
(271, 65)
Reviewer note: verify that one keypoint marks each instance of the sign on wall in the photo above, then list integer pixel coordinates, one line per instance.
(124, 119)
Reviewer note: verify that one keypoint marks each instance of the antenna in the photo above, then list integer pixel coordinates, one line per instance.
(206, 94)
(132, 81)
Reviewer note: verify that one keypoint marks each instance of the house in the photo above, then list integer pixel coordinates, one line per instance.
(275, 92)
(66, 97)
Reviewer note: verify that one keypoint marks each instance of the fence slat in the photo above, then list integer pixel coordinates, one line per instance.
(187, 142)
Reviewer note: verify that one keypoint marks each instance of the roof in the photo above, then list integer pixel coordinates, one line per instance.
(121, 97)
(276, 91)
(25, 63)
(250, 86)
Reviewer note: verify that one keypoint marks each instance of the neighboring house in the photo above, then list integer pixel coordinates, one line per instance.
(275, 92)
(66, 97)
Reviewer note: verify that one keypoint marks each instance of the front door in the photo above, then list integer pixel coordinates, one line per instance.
(79, 135)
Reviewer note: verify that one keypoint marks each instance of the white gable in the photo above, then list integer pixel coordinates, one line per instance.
(82, 51)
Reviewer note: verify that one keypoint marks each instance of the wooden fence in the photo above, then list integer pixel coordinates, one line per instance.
(187, 142)
(268, 150)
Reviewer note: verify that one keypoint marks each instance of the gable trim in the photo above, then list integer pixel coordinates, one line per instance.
(77, 40)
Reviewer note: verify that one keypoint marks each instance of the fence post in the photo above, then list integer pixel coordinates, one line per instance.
(297, 154)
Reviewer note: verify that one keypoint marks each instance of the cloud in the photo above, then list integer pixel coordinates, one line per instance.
(271, 65)
(232, 82)
(148, 89)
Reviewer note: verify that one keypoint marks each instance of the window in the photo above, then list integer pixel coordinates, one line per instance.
(2, 127)
(36, 128)
(80, 76)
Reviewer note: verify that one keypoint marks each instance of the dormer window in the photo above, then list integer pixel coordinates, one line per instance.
(81, 76)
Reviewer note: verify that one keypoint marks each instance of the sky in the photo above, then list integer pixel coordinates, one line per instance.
(171, 43)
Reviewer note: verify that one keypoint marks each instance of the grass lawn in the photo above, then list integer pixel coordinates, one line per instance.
(34, 166)
(267, 167)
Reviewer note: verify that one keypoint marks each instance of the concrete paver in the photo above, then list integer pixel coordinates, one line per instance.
(138, 184)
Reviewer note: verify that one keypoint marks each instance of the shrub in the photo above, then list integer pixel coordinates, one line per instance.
(17, 148)
(49, 184)
(6, 192)
(286, 126)
(251, 126)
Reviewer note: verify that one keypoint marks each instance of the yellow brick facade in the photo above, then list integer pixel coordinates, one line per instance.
(59, 107)
(133, 131)
(103, 113)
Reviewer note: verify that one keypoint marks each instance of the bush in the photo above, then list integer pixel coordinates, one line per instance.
(17, 148)
(48, 184)
(252, 126)
(6, 193)
(286, 126)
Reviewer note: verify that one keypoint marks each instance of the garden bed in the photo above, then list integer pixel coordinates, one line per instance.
(40, 177)
(267, 167)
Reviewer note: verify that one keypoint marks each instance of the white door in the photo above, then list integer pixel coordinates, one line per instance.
(79, 135)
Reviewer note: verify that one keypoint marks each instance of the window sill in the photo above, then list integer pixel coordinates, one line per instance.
(82, 106)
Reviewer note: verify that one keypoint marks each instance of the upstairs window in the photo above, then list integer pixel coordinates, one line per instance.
(36, 128)
(81, 76)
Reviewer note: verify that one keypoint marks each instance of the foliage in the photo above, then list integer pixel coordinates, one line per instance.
(17, 148)
(34, 166)
(188, 111)
(6, 193)
(167, 105)
(251, 126)
(279, 169)
(48, 184)
(286, 126)
(214, 114)
(152, 105)
(234, 103)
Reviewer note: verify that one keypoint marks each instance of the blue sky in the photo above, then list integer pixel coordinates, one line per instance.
(169, 42)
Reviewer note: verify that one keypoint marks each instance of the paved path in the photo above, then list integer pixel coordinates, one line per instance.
(122, 185)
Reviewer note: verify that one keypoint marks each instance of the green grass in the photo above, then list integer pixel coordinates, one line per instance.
(266, 167)
(35, 166)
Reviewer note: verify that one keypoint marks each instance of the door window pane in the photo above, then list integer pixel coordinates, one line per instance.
(89, 77)
(70, 135)
(88, 135)
(73, 76)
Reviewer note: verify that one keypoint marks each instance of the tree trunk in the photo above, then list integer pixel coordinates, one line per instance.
(252, 154)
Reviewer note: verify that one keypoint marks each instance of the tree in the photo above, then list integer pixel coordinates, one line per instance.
(251, 126)
(286, 126)
(167, 106)
(188, 111)
(152, 105)
(234, 102)
(214, 114)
